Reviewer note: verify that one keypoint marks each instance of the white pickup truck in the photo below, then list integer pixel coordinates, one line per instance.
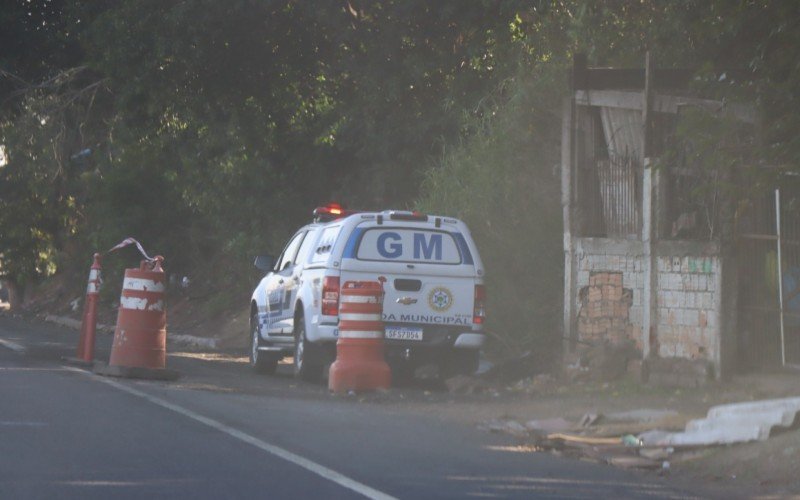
(433, 283)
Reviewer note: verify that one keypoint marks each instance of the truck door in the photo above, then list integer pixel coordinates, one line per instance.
(293, 281)
(278, 300)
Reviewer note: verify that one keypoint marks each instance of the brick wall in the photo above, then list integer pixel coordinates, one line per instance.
(687, 306)
(609, 284)
(609, 281)
(604, 314)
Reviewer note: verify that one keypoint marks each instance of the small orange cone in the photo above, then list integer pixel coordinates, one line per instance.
(84, 354)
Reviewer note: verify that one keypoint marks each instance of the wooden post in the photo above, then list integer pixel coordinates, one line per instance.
(567, 187)
(578, 78)
(568, 192)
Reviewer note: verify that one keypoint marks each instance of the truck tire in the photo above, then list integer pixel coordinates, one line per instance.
(262, 362)
(306, 361)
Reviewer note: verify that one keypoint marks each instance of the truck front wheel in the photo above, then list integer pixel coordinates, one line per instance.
(306, 361)
(262, 362)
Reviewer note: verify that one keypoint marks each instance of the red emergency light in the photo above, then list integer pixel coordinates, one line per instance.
(331, 211)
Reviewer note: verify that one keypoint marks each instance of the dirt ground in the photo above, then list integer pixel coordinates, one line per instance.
(769, 469)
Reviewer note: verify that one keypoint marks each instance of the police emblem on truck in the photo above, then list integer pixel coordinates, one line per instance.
(440, 299)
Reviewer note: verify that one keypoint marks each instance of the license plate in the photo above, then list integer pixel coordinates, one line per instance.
(403, 333)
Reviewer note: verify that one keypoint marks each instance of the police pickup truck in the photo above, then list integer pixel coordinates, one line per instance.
(433, 282)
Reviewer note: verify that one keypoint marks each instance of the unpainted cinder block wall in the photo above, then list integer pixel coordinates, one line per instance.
(688, 307)
(610, 287)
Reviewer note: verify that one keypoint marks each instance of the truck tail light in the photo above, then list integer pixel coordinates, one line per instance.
(330, 296)
(479, 314)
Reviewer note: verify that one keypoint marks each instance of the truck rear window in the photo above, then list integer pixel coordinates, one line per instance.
(408, 245)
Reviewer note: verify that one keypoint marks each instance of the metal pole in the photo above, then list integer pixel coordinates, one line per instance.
(780, 272)
(649, 318)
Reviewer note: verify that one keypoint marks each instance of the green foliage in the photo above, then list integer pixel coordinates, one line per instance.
(215, 127)
(44, 184)
(719, 150)
(503, 181)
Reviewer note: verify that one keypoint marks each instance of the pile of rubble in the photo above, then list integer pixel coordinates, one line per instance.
(652, 439)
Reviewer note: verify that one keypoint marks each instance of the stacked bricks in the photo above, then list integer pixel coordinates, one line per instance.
(605, 308)
(628, 263)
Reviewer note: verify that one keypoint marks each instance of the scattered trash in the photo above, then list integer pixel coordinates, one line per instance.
(656, 453)
(632, 461)
(571, 438)
(589, 419)
(631, 440)
(655, 438)
(484, 366)
(643, 415)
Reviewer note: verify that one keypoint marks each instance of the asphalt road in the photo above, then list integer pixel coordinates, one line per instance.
(224, 432)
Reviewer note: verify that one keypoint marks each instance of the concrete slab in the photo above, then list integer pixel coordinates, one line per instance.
(731, 423)
(740, 434)
(766, 419)
(755, 407)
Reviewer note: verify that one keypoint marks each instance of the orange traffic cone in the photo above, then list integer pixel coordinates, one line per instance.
(360, 365)
(85, 352)
(140, 337)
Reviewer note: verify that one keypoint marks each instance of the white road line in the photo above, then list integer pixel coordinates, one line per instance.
(13, 346)
(23, 424)
(320, 470)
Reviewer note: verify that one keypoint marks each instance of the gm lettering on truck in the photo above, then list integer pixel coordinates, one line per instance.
(409, 245)
(390, 246)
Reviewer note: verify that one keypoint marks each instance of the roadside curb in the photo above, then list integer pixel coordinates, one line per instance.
(175, 339)
(76, 324)
(192, 341)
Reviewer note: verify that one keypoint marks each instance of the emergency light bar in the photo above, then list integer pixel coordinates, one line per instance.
(330, 212)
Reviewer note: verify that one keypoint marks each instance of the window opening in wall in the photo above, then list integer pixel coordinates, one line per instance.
(704, 153)
(609, 172)
(692, 204)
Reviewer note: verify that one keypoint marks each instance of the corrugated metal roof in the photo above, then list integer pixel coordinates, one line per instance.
(623, 129)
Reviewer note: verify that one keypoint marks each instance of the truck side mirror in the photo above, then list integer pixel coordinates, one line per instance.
(264, 263)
